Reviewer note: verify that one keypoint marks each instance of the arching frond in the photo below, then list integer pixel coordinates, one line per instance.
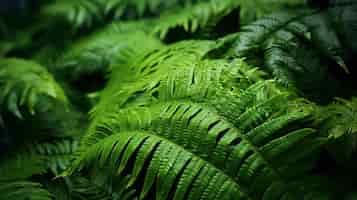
(12, 168)
(338, 121)
(102, 189)
(95, 54)
(282, 42)
(78, 13)
(20, 190)
(58, 153)
(206, 114)
(151, 67)
(86, 12)
(200, 15)
(23, 83)
(15, 171)
(205, 141)
(138, 8)
(253, 10)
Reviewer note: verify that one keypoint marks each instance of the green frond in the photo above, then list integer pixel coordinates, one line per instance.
(15, 169)
(21, 190)
(200, 15)
(23, 83)
(105, 189)
(58, 153)
(38, 158)
(139, 8)
(219, 115)
(291, 47)
(85, 13)
(12, 166)
(241, 146)
(78, 13)
(145, 71)
(339, 121)
(113, 45)
(177, 160)
(253, 10)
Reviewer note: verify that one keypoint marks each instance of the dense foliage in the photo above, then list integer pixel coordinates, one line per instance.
(178, 99)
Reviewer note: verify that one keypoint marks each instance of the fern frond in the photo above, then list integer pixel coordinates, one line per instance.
(281, 42)
(219, 115)
(151, 67)
(12, 167)
(15, 170)
(101, 189)
(200, 15)
(85, 13)
(338, 121)
(78, 13)
(139, 8)
(58, 153)
(195, 128)
(96, 53)
(253, 10)
(23, 83)
(20, 190)
(163, 146)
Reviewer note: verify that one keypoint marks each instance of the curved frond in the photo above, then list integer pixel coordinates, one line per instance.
(78, 13)
(339, 121)
(185, 130)
(12, 168)
(20, 190)
(147, 70)
(281, 43)
(23, 83)
(58, 153)
(200, 121)
(96, 53)
(200, 15)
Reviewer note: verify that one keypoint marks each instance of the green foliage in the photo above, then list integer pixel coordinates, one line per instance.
(23, 83)
(178, 99)
(19, 190)
(283, 42)
(174, 112)
(101, 50)
(338, 121)
(200, 15)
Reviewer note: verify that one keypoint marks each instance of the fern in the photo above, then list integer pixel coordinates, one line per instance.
(78, 13)
(58, 154)
(139, 8)
(19, 190)
(281, 43)
(13, 183)
(98, 52)
(174, 112)
(86, 13)
(253, 10)
(164, 128)
(13, 168)
(338, 121)
(203, 14)
(179, 130)
(23, 83)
